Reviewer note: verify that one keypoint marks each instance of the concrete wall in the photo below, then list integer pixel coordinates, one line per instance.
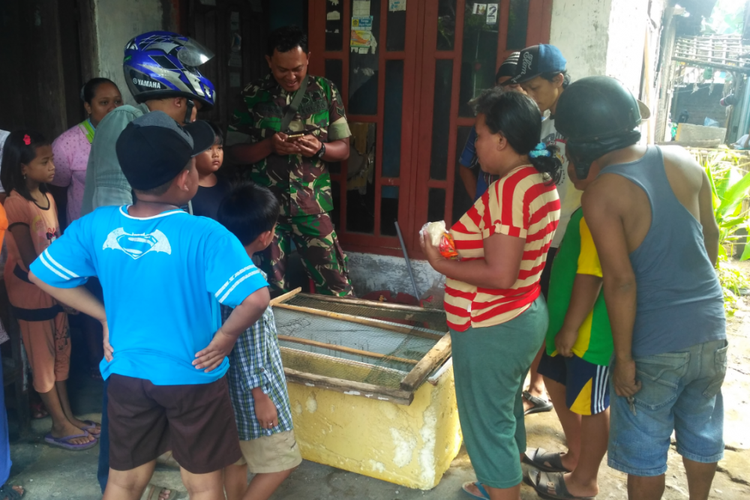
(381, 272)
(117, 22)
(602, 37)
(627, 36)
(580, 30)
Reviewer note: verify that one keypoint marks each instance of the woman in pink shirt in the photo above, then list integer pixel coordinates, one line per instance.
(71, 156)
(72, 147)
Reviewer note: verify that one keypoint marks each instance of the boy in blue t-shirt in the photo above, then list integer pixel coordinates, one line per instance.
(164, 274)
(257, 386)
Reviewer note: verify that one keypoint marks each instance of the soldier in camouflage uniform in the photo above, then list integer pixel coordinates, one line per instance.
(295, 169)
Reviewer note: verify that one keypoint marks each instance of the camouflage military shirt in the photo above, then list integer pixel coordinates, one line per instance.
(302, 185)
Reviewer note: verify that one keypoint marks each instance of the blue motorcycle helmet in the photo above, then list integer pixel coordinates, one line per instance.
(161, 64)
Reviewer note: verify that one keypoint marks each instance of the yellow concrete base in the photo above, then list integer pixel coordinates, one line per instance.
(408, 445)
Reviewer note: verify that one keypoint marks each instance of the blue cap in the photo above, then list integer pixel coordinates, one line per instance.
(538, 60)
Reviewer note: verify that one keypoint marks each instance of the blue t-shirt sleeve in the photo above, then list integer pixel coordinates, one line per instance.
(230, 274)
(470, 152)
(68, 261)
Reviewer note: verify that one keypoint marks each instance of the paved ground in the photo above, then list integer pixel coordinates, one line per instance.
(49, 473)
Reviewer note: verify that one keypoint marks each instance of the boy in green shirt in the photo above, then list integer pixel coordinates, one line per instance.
(575, 365)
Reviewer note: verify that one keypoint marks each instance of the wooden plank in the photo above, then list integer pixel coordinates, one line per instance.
(406, 330)
(427, 364)
(350, 388)
(285, 297)
(347, 350)
(372, 303)
(434, 319)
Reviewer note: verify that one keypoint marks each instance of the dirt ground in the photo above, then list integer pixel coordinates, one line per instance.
(49, 473)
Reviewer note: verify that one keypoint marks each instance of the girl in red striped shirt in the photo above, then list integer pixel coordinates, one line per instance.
(496, 313)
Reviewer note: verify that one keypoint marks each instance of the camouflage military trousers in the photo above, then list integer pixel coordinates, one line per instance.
(322, 256)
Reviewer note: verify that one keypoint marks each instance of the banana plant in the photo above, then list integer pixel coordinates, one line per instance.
(727, 171)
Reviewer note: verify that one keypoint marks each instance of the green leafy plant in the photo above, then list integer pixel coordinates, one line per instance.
(730, 188)
(727, 171)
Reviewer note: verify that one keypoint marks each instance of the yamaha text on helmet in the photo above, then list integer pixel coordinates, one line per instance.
(597, 115)
(161, 64)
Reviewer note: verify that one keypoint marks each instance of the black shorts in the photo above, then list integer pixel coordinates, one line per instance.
(196, 422)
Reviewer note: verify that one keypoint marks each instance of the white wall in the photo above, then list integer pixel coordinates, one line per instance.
(117, 22)
(580, 30)
(603, 37)
(628, 22)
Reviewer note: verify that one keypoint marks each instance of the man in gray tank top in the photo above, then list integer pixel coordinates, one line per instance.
(649, 211)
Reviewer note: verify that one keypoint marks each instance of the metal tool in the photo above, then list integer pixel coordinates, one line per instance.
(408, 262)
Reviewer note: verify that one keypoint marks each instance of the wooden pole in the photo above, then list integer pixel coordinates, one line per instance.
(348, 350)
(285, 297)
(350, 388)
(429, 362)
(363, 321)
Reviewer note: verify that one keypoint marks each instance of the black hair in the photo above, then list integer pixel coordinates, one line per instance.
(285, 39)
(217, 132)
(88, 91)
(20, 149)
(517, 117)
(550, 77)
(248, 211)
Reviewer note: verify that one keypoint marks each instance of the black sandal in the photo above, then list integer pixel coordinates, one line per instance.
(540, 405)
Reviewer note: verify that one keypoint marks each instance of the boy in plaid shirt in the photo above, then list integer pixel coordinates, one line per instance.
(257, 386)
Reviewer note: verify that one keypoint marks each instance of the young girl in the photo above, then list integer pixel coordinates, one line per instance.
(212, 189)
(32, 217)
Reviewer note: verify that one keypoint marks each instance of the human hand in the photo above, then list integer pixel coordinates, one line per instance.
(213, 355)
(564, 341)
(108, 350)
(430, 251)
(265, 410)
(283, 148)
(624, 379)
(309, 145)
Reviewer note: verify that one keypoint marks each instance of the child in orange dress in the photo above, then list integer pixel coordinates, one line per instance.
(32, 222)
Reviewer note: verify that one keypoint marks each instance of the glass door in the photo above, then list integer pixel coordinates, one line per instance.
(406, 70)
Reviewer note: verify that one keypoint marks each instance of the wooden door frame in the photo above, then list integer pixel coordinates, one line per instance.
(417, 112)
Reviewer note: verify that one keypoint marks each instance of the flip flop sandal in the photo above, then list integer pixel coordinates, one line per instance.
(544, 460)
(8, 493)
(485, 495)
(540, 405)
(64, 442)
(552, 486)
(153, 492)
(91, 425)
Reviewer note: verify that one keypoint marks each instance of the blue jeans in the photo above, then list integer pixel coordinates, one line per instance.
(103, 473)
(681, 391)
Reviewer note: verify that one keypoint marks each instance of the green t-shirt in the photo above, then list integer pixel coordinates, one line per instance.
(577, 255)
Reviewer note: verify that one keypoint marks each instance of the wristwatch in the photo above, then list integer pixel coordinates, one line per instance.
(321, 151)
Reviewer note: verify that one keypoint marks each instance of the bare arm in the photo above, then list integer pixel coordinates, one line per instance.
(603, 214)
(244, 315)
(80, 299)
(708, 221)
(469, 179)
(22, 236)
(498, 270)
(586, 288)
